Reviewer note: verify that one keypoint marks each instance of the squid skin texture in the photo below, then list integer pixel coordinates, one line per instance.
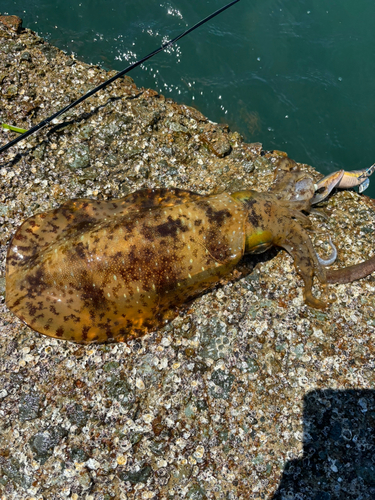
(109, 271)
(97, 271)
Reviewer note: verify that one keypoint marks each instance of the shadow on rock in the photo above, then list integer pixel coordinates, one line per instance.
(338, 451)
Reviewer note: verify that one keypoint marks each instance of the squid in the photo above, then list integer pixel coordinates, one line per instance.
(95, 271)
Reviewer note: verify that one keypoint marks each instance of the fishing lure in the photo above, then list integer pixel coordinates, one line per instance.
(98, 271)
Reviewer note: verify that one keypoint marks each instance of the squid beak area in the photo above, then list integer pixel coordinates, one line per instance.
(325, 186)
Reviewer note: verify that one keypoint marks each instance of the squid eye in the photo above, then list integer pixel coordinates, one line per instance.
(258, 241)
(260, 248)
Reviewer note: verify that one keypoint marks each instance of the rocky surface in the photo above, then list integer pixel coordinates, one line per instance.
(246, 382)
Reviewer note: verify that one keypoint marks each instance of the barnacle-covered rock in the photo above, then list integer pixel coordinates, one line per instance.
(180, 412)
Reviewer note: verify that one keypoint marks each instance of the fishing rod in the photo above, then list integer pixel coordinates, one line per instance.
(112, 79)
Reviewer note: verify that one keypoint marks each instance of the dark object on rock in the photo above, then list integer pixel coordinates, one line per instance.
(12, 22)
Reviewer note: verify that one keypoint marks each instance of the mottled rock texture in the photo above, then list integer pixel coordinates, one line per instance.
(248, 394)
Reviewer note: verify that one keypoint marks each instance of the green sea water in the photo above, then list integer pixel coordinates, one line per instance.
(298, 76)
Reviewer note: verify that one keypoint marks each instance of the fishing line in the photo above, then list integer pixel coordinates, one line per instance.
(113, 78)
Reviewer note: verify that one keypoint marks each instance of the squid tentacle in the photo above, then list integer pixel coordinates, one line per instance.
(351, 273)
(333, 256)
